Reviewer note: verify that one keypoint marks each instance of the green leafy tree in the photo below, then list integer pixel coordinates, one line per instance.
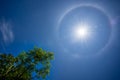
(34, 64)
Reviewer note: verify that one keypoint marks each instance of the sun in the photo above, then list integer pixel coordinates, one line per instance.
(81, 32)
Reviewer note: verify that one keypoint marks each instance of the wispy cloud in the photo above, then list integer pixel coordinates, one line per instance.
(7, 32)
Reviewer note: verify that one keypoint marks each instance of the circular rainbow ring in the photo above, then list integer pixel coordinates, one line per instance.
(98, 8)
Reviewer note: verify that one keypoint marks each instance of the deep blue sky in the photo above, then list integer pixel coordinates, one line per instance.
(28, 23)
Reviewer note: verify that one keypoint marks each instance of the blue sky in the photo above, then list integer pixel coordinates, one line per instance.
(28, 23)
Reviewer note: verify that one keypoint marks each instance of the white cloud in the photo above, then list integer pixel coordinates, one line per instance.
(7, 32)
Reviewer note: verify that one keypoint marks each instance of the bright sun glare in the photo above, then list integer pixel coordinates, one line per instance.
(81, 32)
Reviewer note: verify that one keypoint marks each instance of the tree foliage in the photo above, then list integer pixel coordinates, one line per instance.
(26, 66)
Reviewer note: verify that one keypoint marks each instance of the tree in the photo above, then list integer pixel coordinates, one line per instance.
(26, 66)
